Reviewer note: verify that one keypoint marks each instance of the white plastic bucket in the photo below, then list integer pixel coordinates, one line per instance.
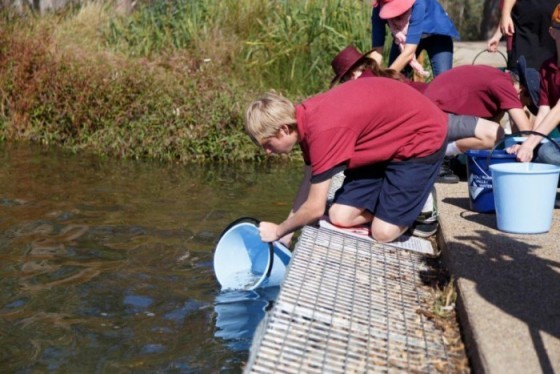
(243, 262)
(524, 195)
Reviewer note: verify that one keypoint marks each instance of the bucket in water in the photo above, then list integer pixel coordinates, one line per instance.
(481, 197)
(524, 194)
(243, 262)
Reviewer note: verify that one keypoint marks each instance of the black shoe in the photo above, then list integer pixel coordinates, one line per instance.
(447, 178)
(446, 175)
(424, 229)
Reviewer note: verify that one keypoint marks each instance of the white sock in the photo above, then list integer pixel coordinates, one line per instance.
(452, 149)
(429, 204)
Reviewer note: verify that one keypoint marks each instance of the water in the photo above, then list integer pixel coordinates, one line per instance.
(106, 266)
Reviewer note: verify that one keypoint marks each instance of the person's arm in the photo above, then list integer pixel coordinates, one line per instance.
(506, 22)
(542, 113)
(377, 35)
(377, 55)
(549, 122)
(494, 41)
(413, 36)
(406, 55)
(520, 119)
(301, 196)
(310, 209)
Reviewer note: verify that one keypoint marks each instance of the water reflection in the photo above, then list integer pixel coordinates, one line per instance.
(106, 266)
(238, 314)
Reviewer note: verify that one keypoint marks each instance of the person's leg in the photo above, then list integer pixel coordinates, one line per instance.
(469, 132)
(348, 216)
(356, 199)
(548, 153)
(405, 189)
(440, 52)
(354, 204)
(386, 232)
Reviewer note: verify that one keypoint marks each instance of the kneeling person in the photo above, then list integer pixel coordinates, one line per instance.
(391, 154)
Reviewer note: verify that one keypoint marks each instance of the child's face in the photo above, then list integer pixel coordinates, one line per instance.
(352, 75)
(282, 142)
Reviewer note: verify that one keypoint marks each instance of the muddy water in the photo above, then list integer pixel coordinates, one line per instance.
(106, 266)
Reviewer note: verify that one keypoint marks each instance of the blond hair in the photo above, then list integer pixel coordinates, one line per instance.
(267, 114)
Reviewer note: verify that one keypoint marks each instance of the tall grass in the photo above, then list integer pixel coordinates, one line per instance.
(170, 81)
(285, 44)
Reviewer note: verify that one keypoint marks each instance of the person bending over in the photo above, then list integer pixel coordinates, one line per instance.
(391, 154)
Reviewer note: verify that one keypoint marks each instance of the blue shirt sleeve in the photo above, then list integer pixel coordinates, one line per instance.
(415, 28)
(377, 28)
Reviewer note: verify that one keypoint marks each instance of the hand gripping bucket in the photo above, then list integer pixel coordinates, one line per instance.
(524, 195)
(243, 262)
(479, 177)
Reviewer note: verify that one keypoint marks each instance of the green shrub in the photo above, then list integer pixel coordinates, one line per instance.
(172, 80)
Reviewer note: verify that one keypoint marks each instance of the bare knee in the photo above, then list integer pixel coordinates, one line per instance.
(385, 232)
(341, 216)
(347, 216)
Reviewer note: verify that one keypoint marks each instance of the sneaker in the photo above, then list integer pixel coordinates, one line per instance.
(429, 213)
(446, 175)
(424, 230)
(426, 223)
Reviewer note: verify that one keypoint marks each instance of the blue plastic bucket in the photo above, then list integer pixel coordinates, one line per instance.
(243, 262)
(524, 194)
(481, 196)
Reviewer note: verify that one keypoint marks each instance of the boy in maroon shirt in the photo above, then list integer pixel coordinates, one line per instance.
(391, 154)
(487, 92)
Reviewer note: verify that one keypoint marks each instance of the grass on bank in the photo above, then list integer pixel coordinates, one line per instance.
(169, 82)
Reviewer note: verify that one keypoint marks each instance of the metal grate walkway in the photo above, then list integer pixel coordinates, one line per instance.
(348, 305)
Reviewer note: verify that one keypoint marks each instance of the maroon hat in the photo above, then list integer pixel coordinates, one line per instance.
(394, 8)
(345, 61)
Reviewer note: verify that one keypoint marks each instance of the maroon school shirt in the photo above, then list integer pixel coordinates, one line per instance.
(367, 121)
(475, 90)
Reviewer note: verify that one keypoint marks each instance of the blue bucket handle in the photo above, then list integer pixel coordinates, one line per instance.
(524, 132)
(255, 222)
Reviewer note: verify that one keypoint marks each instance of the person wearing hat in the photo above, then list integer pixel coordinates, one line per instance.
(466, 131)
(350, 64)
(390, 154)
(416, 25)
(548, 116)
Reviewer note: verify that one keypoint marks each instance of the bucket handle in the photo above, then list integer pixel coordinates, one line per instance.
(524, 132)
(255, 222)
(484, 51)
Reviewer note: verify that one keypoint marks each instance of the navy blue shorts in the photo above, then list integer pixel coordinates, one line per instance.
(394, 191)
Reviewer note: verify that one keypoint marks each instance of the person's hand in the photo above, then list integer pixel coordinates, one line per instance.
(492, 44)
(267, 231)
(523, 152)
(506, 26)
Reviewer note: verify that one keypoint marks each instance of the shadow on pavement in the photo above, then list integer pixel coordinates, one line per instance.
(509, 274)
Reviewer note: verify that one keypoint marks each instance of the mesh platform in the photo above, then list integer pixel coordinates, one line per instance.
(348, 306)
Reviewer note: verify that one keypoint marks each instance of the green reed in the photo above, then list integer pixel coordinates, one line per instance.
(281, 44)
